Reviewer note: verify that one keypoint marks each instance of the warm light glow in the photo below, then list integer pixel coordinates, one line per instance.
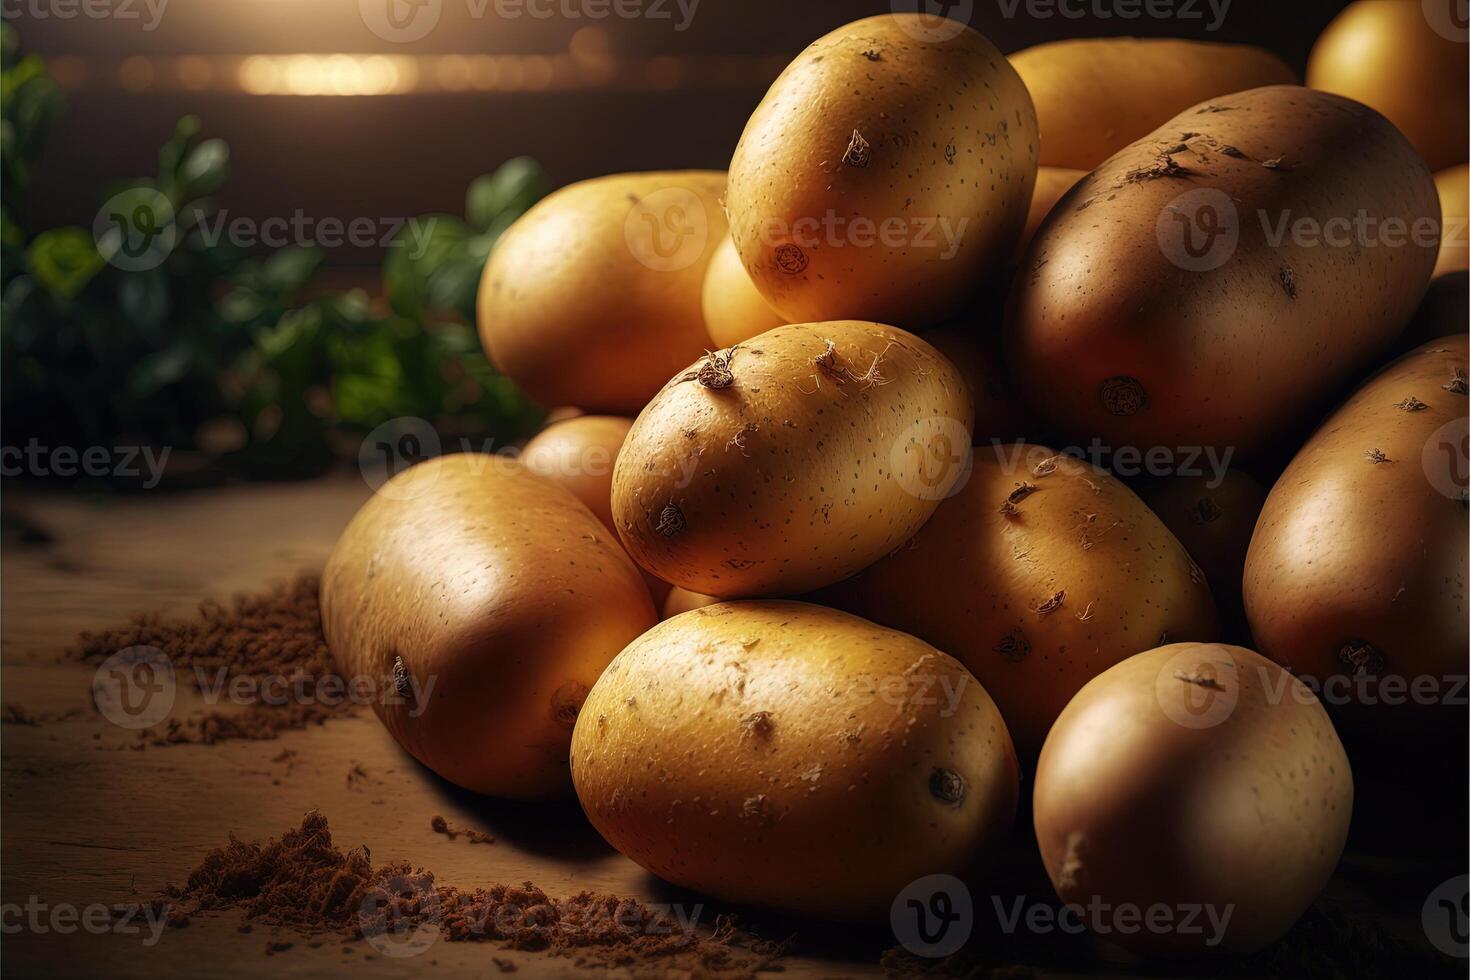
(195, 73)
(135, 74)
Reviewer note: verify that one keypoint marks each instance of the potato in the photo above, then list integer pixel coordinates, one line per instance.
(1041, 573)
(1454, 206)
(592, 297)
(682, 600)
(486, 600)
(789, 756)
(1213, 516)
(579, 453)
(1403, 59)
(1052, 184)
(1356, 575)
(1220, 277)
(886, 172)
(734, 310)
(1192, 798)
(1095, 96)
(792, 460)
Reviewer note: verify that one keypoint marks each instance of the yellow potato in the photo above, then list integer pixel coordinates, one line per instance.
(1052, 184)
(1095, 96)
(592, 297)
(682, 600)
(886, 173)
(1216, 281)
(794, 757)
(734, 310)
(579, 454)
(792, 460)
(1356, 574)
(1194, 798)
(486, 601)
(1042, 572)
(1454, 208)
(1407, 59)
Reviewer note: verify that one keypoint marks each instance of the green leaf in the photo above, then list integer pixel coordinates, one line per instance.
(64, 260)
(511, 189)
(287, 271)
(204, 170)
(172, 152)
(159, 369)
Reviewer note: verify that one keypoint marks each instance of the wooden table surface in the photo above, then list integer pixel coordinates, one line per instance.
(87, 820)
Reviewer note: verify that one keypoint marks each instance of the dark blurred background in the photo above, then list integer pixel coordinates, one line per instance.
(583, 95)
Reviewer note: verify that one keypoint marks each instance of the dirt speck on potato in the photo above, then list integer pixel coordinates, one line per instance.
(947, 786)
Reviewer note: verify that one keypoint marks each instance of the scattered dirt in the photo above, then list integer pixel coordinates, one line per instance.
(269, 637)
(441, 826)
(304, 882)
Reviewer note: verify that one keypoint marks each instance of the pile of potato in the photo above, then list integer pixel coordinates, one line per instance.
(875, 639)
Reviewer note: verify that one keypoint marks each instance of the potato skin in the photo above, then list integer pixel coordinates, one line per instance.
(1453, 186)
(1213, 516)
(1095, 96)
(1195, 773)
(579, 454)
(1154, 354)
(977, 581)
(1357, 569)
(872, 123)
(570, 312)
(805, 466)
(794, 757)
(682, 600)
(504, 591)
(1052, 184)
(734, 310)
(1387, 55)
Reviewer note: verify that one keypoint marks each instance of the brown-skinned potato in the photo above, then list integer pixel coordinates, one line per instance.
(592, 297)
(489, 599)
(1394, 57)
(885, 173)
(1356, 575)
(792, 460)
(1126, 324)
(1094, 96)
(1195, 775)
(789, 756)
(1052, 184)
(1040, 573)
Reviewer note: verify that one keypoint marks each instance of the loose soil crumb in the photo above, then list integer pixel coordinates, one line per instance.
(304, 882)
(441, 826)
(271, 635)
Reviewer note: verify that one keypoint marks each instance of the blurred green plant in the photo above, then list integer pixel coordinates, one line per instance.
(229, 355)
